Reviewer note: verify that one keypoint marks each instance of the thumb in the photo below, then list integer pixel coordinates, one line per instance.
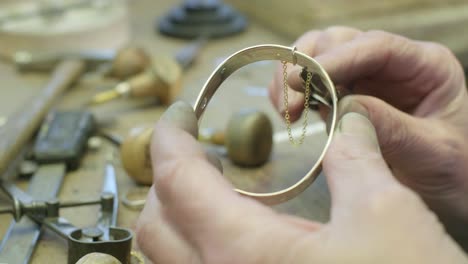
(404, 140)
(353, 165)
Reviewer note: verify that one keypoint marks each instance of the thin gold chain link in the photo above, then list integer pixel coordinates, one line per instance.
(287, 117)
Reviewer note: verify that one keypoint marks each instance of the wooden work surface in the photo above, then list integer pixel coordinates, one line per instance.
(246, 88)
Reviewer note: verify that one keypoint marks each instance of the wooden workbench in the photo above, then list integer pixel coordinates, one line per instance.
(247, 88)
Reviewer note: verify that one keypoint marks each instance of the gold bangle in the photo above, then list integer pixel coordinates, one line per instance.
(280, 53)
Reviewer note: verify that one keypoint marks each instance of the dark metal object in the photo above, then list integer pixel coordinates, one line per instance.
(319, 94)
(27, 168)
(19, 242)
(63, 137)
(104, 238)
(187, 55)
(112, 138)
(196, 18)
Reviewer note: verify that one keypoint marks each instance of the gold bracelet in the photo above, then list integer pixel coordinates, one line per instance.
(319, 95)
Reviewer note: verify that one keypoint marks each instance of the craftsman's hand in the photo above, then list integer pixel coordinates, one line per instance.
(192, 214)
(415, 95)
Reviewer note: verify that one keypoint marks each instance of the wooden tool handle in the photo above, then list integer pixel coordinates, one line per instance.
(21, 125)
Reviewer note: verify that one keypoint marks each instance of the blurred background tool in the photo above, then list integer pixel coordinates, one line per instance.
(25, 122)
(195, 18)
(161, 80)
(59, 26)
(59, 145)
(248, 140)
(124, 63)
(104, 237)
(248, 137)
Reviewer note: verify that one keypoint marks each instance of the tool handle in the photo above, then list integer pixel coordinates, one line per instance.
(22, 124)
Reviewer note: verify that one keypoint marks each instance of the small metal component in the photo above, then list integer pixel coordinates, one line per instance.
(27, 168)
(93, 233)
(135, 198)
(112, 138)
(320, 94)
(94, 143)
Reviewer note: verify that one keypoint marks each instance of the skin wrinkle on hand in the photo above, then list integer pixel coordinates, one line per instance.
(371, 211)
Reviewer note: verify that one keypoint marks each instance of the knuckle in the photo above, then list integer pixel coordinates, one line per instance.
(339, 29)
(169, 175)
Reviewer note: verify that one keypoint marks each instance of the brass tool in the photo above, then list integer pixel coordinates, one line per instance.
(22, 124)
(248, 140)
(161, 80)
(248, 137)
(98, 258)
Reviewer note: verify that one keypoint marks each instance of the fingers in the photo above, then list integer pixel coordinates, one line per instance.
(311, 43)
(411, 146)
(195, 196)
(202, 206)
(158, 239)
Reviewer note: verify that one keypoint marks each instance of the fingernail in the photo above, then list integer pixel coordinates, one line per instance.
(359, 128)
(181, 115)
(350, 104)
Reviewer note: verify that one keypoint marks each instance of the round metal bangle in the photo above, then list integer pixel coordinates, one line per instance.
(280, 53)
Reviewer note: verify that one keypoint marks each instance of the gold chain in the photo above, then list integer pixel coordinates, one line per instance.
(286, 105)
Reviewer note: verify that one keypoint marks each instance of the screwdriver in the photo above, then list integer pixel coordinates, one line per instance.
(162, 79)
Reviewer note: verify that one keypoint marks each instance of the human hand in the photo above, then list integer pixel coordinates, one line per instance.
(414, 93)
(192, 214)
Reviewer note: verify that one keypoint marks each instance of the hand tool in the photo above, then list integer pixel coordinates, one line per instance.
(59, 145)
(199, 17)
(248, 137)
(63, 137)
(104, 237)
(24, 123)
(248, 140)
(162, 80)
(125, 62)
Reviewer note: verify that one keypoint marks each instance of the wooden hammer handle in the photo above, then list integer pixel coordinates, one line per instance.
(21, 126)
